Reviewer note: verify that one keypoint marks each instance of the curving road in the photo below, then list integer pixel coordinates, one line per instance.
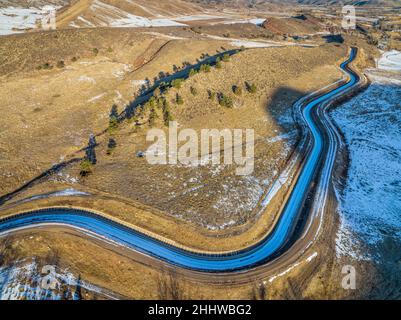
(267, 249)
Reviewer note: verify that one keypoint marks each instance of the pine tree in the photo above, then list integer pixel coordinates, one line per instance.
(86, 167)
(111, 146)
(237, 90)
(252, 88)
(226, 57)
(205, 68)
(192, 72)
(152, 117)
(225, 101)
(179, 100)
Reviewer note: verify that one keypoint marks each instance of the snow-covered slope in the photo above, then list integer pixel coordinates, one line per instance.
(17, 16)
(125, 13)
(14, 20)
(112, 13)
(390, 61)
(25, 281)
(371, 122)
(103, 14)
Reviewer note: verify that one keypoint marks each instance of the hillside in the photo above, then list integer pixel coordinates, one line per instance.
(255, 3)
(300, 25)
(90, 13)
(285, 17)
(17, 17)
(74, 98)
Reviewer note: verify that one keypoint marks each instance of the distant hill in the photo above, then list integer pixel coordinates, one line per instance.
(99, 13)
(125, 13)
(345, 2)
(304, 24)
(22, 15)
(255, 3)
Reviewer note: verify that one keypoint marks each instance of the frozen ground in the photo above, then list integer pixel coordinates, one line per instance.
(18, 19)
(390, 61)
(15, 20)
(371, 201)
(26, 281)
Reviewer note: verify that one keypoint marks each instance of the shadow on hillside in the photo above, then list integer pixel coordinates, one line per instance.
(334, 38)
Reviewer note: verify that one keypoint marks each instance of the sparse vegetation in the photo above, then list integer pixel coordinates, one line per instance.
(160, 101)
(193, 72)
(152, 103)
(177, 83)
(219, 65)
(113, 119)
(259, 291)
(194, 91)
(179, 100)
(226, 57)
(86, 167)
(112, 144)
(205, 68)
(152, 117)
(167, 116)
(169, 287)
(225, 101)
(237, 90)
(113, 125)
(95, 51)
(60, 64)
(90, 152)
(45, 66)
(157, 92)
(251, 88)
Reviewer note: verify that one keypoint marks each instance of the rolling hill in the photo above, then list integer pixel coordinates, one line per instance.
(258, 3)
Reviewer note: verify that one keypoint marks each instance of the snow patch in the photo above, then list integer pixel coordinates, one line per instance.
(93, 99)
(115, 17)
(370, 206)
(390, 61)
(86, 79)
(17, 20)
(23, 281)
